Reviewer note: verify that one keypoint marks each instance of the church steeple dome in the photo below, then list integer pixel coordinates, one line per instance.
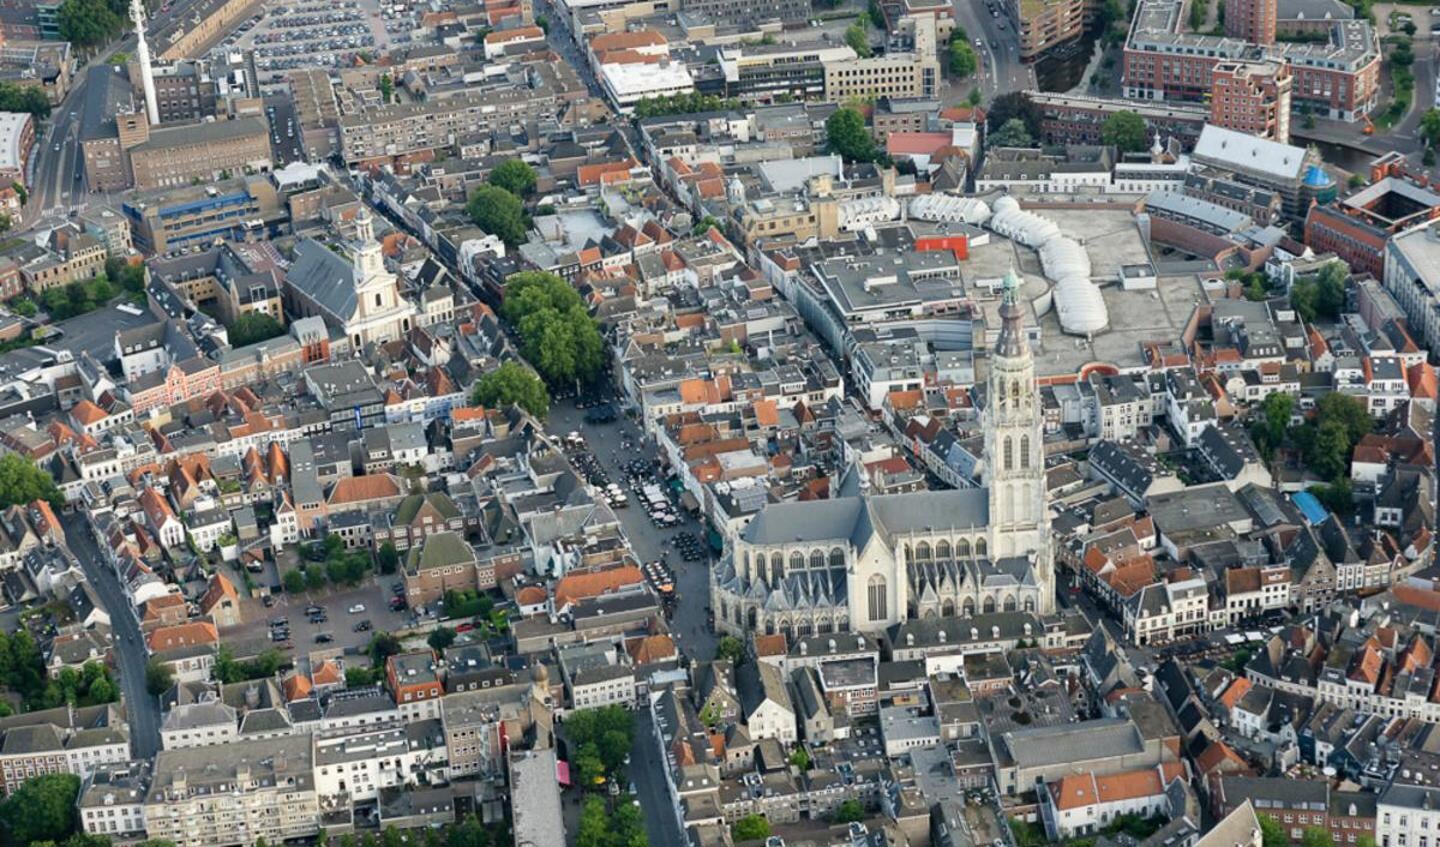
(1012, 341)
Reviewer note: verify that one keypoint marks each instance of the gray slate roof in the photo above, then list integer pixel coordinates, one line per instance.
(325, 277)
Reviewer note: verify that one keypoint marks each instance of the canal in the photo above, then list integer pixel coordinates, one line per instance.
(1064, 67)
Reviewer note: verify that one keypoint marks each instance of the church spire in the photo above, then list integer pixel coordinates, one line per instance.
(1012, 341)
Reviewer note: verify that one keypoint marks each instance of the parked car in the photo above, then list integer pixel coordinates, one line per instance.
(363, 626)
(357, 608)
(323, 638)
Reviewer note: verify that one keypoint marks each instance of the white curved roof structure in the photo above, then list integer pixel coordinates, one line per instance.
(1078, 302)
(858, 214)
(947, 208)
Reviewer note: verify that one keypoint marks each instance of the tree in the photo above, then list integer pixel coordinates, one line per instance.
(1272, 833)
(1329, 450)
(1124, 130)
(387, 88)
(510, 383)
(315, 577)
(28, 98)
(360, 677)
(1346, 411)
(1010, 106)
(607, 733)
(1338, 496)
(1315, 836)
(158, 677)
(469, 833)
(846, 133)
(253, 327)
(1012, 134)
(1323, 295)
(800, 758)
(706, 224)
(730, 649)
(293, 581)
(383, 645)
(963, 61)
(42, 808)
(388, 558)
(849, 811)
(975, 98)
(499, 213)
(1277, 409)
(589, 768)
(750, 828)
(557, 334)
(440, 638)
(857, 39)
(22, 483)
(1430, 127)
(515, 176)
(87, 22)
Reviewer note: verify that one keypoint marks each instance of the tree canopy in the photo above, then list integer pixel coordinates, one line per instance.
(41, 809)
(857, 39)
(557, 335)
(1012, 134)
(1124, 130)
(1010, 106)
(688, 103)
(253, 327)
(21, 482)
(601, 738)
(24, 98)
(963, 61)
(158, 677)
(228, 669)
(1323, 295)
(601, 828)
(512, 382)
(849, 811)
(440, 638)
(515, 176)
(1272, 833)
(845, 130)
(750, 828)
(87, 23)
(730, 648)
(499, 213)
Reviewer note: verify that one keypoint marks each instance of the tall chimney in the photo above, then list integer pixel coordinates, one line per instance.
(142, 53)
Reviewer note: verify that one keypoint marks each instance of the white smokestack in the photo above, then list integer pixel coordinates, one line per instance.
(142, 52)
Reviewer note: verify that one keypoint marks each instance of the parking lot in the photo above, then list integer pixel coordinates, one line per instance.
(323, 35)
(374, 595)
(286, 143)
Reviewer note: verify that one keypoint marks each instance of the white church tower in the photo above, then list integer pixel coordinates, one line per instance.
(1014, 450)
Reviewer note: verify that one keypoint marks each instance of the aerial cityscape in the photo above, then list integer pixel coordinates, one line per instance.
(719, 423)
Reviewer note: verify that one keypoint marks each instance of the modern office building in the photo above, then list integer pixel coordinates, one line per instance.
(1251, 20)
(1253, 98)
(236, 793)
(1336, 78)
(1046, 24)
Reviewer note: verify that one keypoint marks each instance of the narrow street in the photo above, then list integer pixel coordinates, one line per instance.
(142, 710)
(647, 772)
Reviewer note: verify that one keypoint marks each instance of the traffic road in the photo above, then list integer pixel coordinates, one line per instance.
(141, 709)
(1000, 67)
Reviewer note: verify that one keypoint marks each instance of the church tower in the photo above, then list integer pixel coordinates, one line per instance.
(1014, 449)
